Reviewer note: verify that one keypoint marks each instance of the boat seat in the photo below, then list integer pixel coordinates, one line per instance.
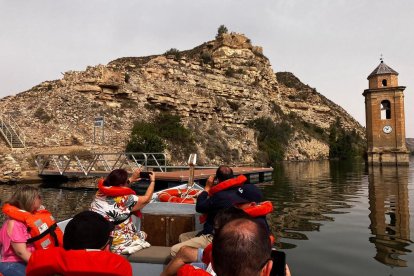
(152, 255)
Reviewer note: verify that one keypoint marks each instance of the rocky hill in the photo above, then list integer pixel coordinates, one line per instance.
(216, 88)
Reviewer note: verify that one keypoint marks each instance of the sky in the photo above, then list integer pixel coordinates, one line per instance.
(331, 45)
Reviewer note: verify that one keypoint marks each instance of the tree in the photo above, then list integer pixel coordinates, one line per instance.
(221, 30)
(344, 144)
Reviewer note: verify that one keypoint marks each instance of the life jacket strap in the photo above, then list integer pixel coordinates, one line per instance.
(50, 230)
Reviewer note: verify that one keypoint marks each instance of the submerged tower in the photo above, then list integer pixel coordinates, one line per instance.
(385, 119)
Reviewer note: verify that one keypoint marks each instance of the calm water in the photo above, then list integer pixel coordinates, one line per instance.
(332, 218)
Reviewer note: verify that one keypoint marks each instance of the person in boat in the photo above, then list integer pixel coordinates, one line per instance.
(195, 256)
(252, 209)
(86, 251)
(116, 201)
(215, 197)
(28, 227)
(241, 247)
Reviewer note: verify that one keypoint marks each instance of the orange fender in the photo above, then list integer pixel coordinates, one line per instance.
(174, 195)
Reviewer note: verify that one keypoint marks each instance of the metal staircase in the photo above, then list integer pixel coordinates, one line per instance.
(11, 132)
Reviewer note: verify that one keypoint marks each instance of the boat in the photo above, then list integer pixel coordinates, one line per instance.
(164, 222)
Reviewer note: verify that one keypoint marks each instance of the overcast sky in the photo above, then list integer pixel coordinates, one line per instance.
(332, 45)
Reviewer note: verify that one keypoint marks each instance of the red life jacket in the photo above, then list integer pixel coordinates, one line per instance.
(77, 262)
(227, 184)
(189, 270)
(41, 225)
(114, 191)
(259, 210)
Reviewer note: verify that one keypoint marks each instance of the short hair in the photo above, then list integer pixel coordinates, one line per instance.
(226, 215)
(87, 230)
(224, 173)
(117, 177)
(24, 197)
(240, 247)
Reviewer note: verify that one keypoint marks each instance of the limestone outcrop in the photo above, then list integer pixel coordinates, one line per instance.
(217, 88)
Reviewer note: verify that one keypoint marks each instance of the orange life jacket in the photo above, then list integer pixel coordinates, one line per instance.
(259, 210)
(41, 225)
(227, 184)
(115, 191)
(224, 185)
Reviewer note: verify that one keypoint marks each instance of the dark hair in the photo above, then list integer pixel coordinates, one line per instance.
(226, 215)
(240, 247)
(87, 230)
(117, 177)
(224, 173)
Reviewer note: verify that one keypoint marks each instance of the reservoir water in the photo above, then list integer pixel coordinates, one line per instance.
(331, 218)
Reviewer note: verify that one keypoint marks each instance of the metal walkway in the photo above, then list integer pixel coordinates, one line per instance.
(100, 164)
(11, 132)
(97, 164)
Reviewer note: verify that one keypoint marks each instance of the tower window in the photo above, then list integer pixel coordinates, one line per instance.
(384, 82)
(385, 110)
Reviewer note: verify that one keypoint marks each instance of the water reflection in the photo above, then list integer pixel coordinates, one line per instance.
(62, 200)
(390, 216)
(306, 195)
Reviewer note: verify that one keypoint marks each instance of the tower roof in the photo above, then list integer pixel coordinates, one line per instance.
(381, 69)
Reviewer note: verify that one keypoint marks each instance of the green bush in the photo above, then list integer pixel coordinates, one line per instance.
(221, 30)
(344, 144)
(127, 104)
(206, 58)
(230, 72)
(165, 131)
(42, 115)
(173, 52)
(272, 138)
(144, 138)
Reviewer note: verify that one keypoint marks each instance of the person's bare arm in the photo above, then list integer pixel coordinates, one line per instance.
(20, 249)
(145, 199)
(287, 270)
(185, 255)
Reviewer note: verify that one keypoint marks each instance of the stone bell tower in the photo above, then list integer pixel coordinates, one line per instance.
(385, 119)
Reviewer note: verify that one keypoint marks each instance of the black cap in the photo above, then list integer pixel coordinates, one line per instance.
(245, 194)
(87, 230)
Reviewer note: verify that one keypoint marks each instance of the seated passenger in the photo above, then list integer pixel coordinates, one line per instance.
(241, 247)
(188, 254)
(21, 233)
(86, 251)
(117, 202)
(214, 198)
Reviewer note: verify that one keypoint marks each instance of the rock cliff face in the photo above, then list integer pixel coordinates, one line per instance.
(217, 88)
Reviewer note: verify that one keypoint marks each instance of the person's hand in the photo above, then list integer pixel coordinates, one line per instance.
(135, 175)
(287, 270)
(209, 183)
(152, 176)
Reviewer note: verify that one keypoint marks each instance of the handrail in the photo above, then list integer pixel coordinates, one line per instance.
(9, 129)
(87, 164)
(5, 134)
(17, 130)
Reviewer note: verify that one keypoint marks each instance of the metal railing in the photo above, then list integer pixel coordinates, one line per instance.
(13, 134)
(90, 164)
